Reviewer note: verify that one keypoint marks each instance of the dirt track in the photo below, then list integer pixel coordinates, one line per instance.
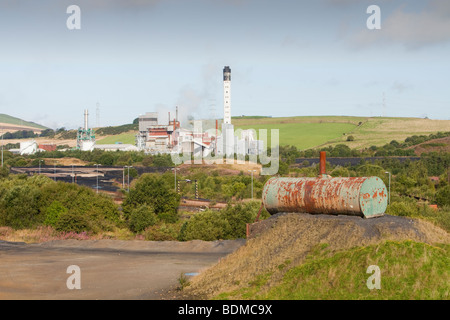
(109, 269)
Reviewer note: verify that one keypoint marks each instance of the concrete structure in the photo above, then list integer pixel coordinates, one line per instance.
(116, 147)
(226, 144)
(147, 120)
(28, 147)
(197, 142)
(157, 138)
(85, 135)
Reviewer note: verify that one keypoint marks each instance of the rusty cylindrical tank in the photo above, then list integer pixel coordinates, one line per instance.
(362, 196)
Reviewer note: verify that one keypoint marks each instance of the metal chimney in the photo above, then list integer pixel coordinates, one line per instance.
(227, 95)
(86, 119)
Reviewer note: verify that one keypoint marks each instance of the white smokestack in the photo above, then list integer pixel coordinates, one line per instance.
(86, 119)
(227, 95)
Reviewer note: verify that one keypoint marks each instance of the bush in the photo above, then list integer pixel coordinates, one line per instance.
(97, 208)
(73, 222)
(162, 232)
(28, 202)
(229, 223)
(53, 212)
(18, 205)
(208, 225)
(152, 190)
(443, 196)
(402, 208)
(4, 172)
(141, 218)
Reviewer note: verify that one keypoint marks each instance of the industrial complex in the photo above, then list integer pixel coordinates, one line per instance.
(154, 137)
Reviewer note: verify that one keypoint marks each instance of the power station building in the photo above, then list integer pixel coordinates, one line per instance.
(157, 138)
(154, 137)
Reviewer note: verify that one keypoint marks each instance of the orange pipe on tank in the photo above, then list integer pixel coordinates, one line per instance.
(323, 163)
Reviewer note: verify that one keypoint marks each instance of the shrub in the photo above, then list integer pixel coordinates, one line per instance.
(28, 202)
(152, 190)
(229, 223)
(18, 206)
(73, 222)
(4, 172)
(208, 225)
(80, 200)
(402, 208)
(141, 218)
(162, 232)
(53, 212)
(443, 196)
(168, 217)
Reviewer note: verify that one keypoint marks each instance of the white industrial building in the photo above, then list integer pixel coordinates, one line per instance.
(85, 135)
(27, 148)
(116, 147)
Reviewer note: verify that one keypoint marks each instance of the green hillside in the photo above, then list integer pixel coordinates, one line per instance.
(314, 131)
(125, 138)
(303, 135)
(411, 270)
(4, 118)
(302, 132)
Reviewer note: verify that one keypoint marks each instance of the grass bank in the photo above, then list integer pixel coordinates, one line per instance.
(301, 256)
(408, 270)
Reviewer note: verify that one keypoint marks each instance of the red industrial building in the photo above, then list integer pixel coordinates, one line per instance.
(47, 147)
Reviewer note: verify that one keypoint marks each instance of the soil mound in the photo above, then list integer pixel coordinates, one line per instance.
(290, 237)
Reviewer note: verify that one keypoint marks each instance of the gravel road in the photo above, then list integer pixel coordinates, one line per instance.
(108, 269)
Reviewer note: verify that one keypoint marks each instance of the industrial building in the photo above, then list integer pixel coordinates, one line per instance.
(154, 137)
(157, 138)
(26, 148)
(85, 135)
(116, 147)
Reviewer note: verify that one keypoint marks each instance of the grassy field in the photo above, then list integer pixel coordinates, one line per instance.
(308, 132)
(303, 135)
(314, 131)
(379, 131)
(4, 118)
(126, 138)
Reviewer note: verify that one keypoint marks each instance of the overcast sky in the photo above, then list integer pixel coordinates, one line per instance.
(287, 58)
